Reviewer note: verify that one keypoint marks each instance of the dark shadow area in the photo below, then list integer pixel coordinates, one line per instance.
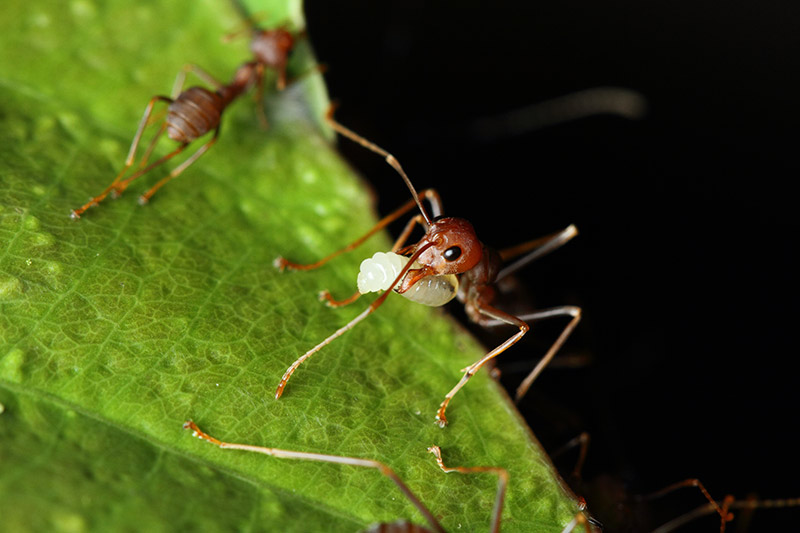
(686, 259)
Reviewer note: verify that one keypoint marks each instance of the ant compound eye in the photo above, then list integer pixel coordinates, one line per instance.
(452, 253)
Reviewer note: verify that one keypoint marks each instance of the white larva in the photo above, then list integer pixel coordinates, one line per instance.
(378, 272)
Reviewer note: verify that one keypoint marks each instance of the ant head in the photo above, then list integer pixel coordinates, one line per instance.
(272, 47)
(455, 247)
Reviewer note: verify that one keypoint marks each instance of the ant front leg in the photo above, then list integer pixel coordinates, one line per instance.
(430, 194)
(344, 329)
(398, 244)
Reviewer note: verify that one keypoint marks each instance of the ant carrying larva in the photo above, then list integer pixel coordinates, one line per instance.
(448, 261)
(379, 271)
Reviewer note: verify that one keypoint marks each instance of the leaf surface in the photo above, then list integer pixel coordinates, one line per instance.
(117, 327)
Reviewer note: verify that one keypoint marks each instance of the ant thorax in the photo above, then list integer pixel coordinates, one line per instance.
(271, 47)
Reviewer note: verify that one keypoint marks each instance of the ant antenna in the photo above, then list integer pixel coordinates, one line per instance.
(353, 136)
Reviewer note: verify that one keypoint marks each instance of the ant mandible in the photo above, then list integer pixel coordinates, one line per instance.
(449, 261)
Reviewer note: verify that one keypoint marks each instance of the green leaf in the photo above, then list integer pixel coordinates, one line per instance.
(117, 327)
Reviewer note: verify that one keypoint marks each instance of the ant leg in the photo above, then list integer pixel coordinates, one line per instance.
(76, 213)
(502, 482)
(579, 520)
(330, 301)
(725, 515)
(258, 96)
(281, 83)
(581, 440)
(143, 199)
(323, 458)
(566, 310)
(180, 79)
(536, 248)
(430, 194)
(583, 517)
(494, 314)
(344, 329)
(150, 147)
(712, 507)
(122, 185)
(401, 240)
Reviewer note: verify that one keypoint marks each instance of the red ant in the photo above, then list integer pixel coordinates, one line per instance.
(191, 114)
(449, 260)
(196, 111)
(399, 526)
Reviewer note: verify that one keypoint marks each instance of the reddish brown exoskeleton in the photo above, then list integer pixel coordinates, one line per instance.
(451, 248)
(271, 50)
(191, 114)
(400, 526)
(195, 112)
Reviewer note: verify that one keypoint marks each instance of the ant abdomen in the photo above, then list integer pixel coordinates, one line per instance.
(378, 272)
(193, 114)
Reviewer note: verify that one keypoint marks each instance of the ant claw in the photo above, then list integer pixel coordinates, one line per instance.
(144, 200)
(74, 215)
(279, 263)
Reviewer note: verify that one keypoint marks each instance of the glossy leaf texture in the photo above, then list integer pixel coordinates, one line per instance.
(117, 327)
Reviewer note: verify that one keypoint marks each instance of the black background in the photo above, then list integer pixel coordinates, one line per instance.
(684, 266)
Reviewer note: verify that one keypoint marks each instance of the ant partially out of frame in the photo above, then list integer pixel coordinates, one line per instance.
(400, 526)
(581, 521)
(196, 111)
(621, 512)
(449, 261)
